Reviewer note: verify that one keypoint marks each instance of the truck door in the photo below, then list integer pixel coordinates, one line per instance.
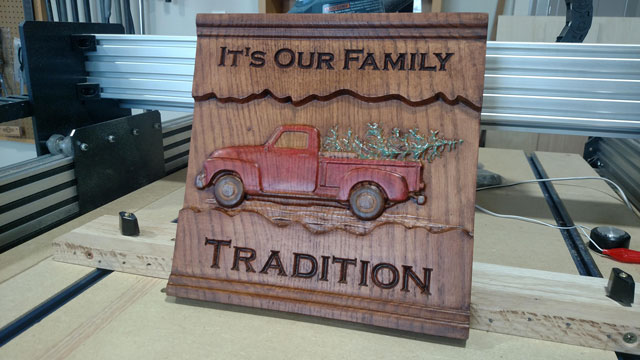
(291, 163)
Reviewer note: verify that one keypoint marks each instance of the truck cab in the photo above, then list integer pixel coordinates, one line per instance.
(291, 150)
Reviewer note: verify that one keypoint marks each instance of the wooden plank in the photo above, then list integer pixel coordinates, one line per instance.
(538, 304)
(592, 203)
(494, 26)
(100, 244)
(551, 306)
(40, 10)
(436, 6)
(11, 131)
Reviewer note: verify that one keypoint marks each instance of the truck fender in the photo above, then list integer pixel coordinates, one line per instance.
(394, 185)
(248, 171)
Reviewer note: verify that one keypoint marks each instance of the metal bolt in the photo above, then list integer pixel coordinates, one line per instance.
(136, 132)
(623, 275)
(84, 147)
(111, 138)
(630, 338)
(157, 126)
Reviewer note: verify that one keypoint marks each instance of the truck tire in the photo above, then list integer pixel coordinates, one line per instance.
(367, 201)
(228, 191)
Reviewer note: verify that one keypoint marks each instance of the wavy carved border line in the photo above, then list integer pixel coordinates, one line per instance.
(439, 96)
(321, 220)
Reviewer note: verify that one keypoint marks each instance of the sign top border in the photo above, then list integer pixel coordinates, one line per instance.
(376, 26)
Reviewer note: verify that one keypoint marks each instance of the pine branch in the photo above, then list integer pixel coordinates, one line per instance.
(396, 146)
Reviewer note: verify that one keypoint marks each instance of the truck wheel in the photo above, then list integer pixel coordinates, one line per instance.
(366, 201)
(228, 191)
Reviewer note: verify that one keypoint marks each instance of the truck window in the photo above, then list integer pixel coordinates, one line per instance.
(292, 140)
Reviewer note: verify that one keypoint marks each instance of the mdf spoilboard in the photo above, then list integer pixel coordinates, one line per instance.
(332, 167)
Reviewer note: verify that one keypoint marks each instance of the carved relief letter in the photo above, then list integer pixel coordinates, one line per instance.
(344, 262)
(423, 285)
(216, 249)
(297, 257)
(275, 256)
(375, 272)
(443, 61)
(247, 259)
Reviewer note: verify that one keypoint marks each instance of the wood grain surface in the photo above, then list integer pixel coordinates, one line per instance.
(246, 85)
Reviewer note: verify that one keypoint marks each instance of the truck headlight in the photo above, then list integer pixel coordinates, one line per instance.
(200, 178)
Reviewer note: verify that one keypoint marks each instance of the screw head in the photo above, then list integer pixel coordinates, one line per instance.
(157, 126)
(630, 338)
(111, 138)
(84, 147)
(136, 132)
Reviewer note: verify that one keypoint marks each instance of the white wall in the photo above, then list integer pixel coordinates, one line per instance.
(178, 17)
(511, 7)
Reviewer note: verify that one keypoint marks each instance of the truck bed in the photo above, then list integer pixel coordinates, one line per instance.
(332, 169)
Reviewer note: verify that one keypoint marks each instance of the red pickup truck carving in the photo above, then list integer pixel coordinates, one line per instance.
(290, 165)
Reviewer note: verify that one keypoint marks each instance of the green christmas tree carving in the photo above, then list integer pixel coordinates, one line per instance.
(375, 144)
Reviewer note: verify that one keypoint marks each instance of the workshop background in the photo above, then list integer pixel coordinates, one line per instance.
(62, 197)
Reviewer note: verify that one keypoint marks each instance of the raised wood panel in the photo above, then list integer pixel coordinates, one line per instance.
(247, 83)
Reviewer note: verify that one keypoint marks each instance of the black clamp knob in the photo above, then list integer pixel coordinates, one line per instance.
(621, 287)
(609, 237)
(129, 224)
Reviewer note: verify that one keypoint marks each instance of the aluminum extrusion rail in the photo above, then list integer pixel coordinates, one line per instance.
(586, 89)
(39, 194)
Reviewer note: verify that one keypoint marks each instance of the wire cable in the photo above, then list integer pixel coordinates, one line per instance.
(539, 222)
(618, 188)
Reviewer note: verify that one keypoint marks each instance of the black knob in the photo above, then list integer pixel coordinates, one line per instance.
(129, 224)
(621, 287)
(609, 237)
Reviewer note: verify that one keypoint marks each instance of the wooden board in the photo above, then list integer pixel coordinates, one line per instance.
(534, 247)
(362, 74)
(592, 203)
(543, 305)
(11, 131)
(21, 258)
(129, 317)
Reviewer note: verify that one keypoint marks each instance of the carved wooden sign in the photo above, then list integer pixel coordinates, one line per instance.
(332, 167)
